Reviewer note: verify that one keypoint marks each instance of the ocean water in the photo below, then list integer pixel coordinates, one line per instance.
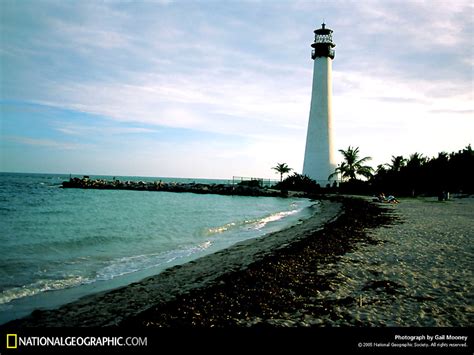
(59, 244)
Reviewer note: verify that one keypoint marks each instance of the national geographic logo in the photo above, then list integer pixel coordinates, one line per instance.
(12, 341)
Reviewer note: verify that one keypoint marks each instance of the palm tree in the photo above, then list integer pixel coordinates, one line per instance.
(381, 169)
(398, 162)
(282, 168)
(352, 165)
(416, 161)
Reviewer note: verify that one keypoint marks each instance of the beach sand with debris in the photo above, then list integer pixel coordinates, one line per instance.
(354, 263)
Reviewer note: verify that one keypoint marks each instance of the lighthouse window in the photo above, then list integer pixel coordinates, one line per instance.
(323, 39)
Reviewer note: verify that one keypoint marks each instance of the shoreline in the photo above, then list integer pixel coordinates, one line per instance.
(281, 290)
(367, 265)
(108, 308)
(376, 265)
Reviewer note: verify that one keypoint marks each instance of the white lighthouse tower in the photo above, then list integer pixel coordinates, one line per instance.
(319, 154)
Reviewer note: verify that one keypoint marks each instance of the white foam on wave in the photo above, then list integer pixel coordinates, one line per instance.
(253, 224)
(273, 218)
(221, 229)
(40, 286)
(115, 268)
(131, 264)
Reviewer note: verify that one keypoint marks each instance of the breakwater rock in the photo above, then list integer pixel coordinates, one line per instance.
(241, 189)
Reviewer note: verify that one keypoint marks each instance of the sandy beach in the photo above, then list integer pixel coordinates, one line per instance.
(355, 263)
(421, 273)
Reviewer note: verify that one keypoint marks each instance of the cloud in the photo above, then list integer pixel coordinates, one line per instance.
(89, 130)
(453, 111)
(225, 71)
(80, 36)
(418, 24)
(45, 143)
(238, 102)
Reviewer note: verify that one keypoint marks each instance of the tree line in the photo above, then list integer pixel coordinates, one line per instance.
(415, 175)
(453, 172)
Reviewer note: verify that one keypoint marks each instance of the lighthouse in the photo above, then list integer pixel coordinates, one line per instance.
(319, 154)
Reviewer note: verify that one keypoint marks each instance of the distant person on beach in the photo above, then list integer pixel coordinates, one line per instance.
(443, 196)
(376, 198)
(392, 199)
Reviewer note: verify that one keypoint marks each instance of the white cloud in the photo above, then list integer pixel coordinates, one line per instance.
(93, 36)
(401, 69)
(417, 23)
(239, 102)
(45, 143)
(88, 130)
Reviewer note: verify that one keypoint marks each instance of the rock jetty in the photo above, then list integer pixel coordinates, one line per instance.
(244, 188)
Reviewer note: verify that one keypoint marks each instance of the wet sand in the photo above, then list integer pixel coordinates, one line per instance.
(110, 308)
(357, 263)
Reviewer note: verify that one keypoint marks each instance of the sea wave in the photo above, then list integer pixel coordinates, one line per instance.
(40, 286)
(130, 264)
(76, 242)
(251, 224)
(54, 235)
(114, 268)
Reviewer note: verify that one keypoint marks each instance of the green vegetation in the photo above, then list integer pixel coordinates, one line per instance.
(282, 168)
(421, 175)
(415, 175)
(352, 166)
(410, 176)
(297, 182)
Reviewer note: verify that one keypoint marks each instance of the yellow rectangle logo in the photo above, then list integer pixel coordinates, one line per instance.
(12, 338)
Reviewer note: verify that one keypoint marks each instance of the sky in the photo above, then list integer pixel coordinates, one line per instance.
(216, 89)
